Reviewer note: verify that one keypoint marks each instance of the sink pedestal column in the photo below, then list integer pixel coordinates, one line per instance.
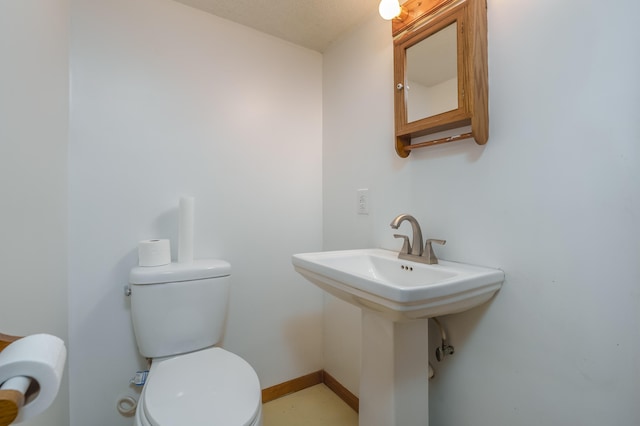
(394, 381)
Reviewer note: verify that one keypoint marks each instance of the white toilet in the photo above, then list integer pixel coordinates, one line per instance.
(178, 313)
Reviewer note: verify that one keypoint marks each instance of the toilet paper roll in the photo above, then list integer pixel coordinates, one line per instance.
(154, 252)
(185, 230)
(40, 357)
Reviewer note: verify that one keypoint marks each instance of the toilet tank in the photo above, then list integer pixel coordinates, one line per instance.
(180, 307)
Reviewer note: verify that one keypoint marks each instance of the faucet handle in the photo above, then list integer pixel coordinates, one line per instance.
(428, 250)
(406, 246)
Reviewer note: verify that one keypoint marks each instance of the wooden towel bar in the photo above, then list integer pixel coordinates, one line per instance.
(410, 146)
(11, 401)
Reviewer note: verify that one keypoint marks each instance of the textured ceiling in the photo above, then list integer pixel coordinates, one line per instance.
(310, 23)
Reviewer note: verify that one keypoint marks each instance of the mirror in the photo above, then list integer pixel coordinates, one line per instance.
(440, 70)
(432, 86)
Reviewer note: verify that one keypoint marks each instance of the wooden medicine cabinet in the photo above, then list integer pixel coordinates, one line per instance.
(440, 71)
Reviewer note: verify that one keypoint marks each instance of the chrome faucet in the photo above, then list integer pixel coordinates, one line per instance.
(413, 250)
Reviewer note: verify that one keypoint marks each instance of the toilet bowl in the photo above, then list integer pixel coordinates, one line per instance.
(207, 387)
(178, 313)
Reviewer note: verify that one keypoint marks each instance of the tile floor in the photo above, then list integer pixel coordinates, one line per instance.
(314, 406)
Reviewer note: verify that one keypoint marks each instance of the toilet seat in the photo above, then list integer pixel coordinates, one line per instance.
(207, 387)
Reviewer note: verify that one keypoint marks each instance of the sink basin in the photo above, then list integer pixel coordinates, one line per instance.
(402, 290)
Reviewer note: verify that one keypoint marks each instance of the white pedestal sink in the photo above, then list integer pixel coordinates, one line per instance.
(397, 297)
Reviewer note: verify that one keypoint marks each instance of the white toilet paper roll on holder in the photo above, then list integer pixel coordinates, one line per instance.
(11, 400)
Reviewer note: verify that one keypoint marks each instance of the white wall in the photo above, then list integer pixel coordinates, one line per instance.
(552, 199)
(167, 100)
(33, 160)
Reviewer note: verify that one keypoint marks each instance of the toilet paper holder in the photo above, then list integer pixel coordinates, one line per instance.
(31, 369)
(11, 401)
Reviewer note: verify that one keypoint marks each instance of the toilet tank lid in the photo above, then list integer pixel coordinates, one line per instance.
(174, 272)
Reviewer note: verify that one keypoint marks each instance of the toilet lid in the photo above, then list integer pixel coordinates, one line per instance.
(208, 387)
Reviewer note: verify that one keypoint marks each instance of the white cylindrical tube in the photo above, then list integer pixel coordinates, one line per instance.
(18, 383)
(185, 230)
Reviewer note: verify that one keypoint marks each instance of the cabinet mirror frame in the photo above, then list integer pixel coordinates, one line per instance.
(470, 16)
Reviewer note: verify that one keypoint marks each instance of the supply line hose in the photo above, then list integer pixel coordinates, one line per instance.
(127, 405)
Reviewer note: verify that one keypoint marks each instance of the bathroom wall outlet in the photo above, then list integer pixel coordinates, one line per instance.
(363, 201)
